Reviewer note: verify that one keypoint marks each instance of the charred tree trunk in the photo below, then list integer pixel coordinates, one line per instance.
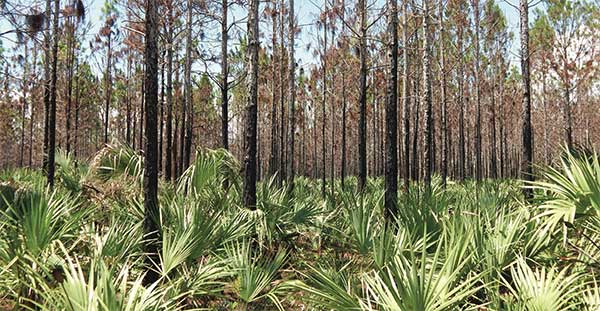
(141, 132)
(332, 116)
(391, 115)
(250, 132)
(161, 113)
(292, 98)
(47, 78)
(32, 105)
(77, 107)
(461, 118)
(188, 105)
(406, 96)
(107, 86)
(362, 98)
(151, 210)
(224, 77)
(478, 168)
(429, 156)
(25, 87)
(70, 64)
(568, 125)
(169, 126)
(545, 111)
(282, 131)
(128, 102)
(52, 114)
(324, 63)
(527, 155)
(344, 104)
(494, 155)
(274, 160)
(444, 109)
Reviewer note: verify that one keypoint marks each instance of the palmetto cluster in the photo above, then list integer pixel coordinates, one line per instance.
(469, 246)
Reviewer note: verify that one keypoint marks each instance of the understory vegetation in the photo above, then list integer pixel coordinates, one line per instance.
(468, 246)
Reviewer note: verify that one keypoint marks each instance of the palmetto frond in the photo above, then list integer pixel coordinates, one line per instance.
(543, 289)
(571, 192)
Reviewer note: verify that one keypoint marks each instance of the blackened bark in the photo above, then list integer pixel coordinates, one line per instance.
(568, 125)
(70, 64)
(52, 114)
(175, 148)
(461, 119)
(25, 86)
(478, 168)
(292, 98)
(494, 155)
(415, 174)
(391, 115)
(501, 125)
(344, 104)
(161, 113)
(224, 78)
(274, 156)
(545, 116)
(107, 87)
(527, 155)
(169, 126)
(180, 167)
(187, 107)
(282, 131)
(332, 116)
(427, 96)
(444, 109)
(47, 75)
(77, 97)
(141, 132)
(406, 96)
(324, 61)
(362, 98)
(32, 105)
(128, 103)
(250, 132)
(151, 210)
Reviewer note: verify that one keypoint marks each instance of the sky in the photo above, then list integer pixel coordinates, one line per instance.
(307, 12)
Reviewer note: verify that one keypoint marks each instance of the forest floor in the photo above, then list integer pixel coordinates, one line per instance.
(469, 245)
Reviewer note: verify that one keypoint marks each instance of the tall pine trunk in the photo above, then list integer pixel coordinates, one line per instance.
(461, 102)
(188, 105)
(32, 105)
(70, 63)
(391, 115)
(224, 77)
(324, 102)
(429, 157)
(478, 151)
(107, 86)
(52, 113)
(273, 157)
(292, 98)
(406, 96)
(250, 133)
(344, 104)
(169, 126)
(527, 155)
(151, 209)
(47, 75)
(362, 98)
(568, 125)
(282, 132)
(444, 106)
(25, 87)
